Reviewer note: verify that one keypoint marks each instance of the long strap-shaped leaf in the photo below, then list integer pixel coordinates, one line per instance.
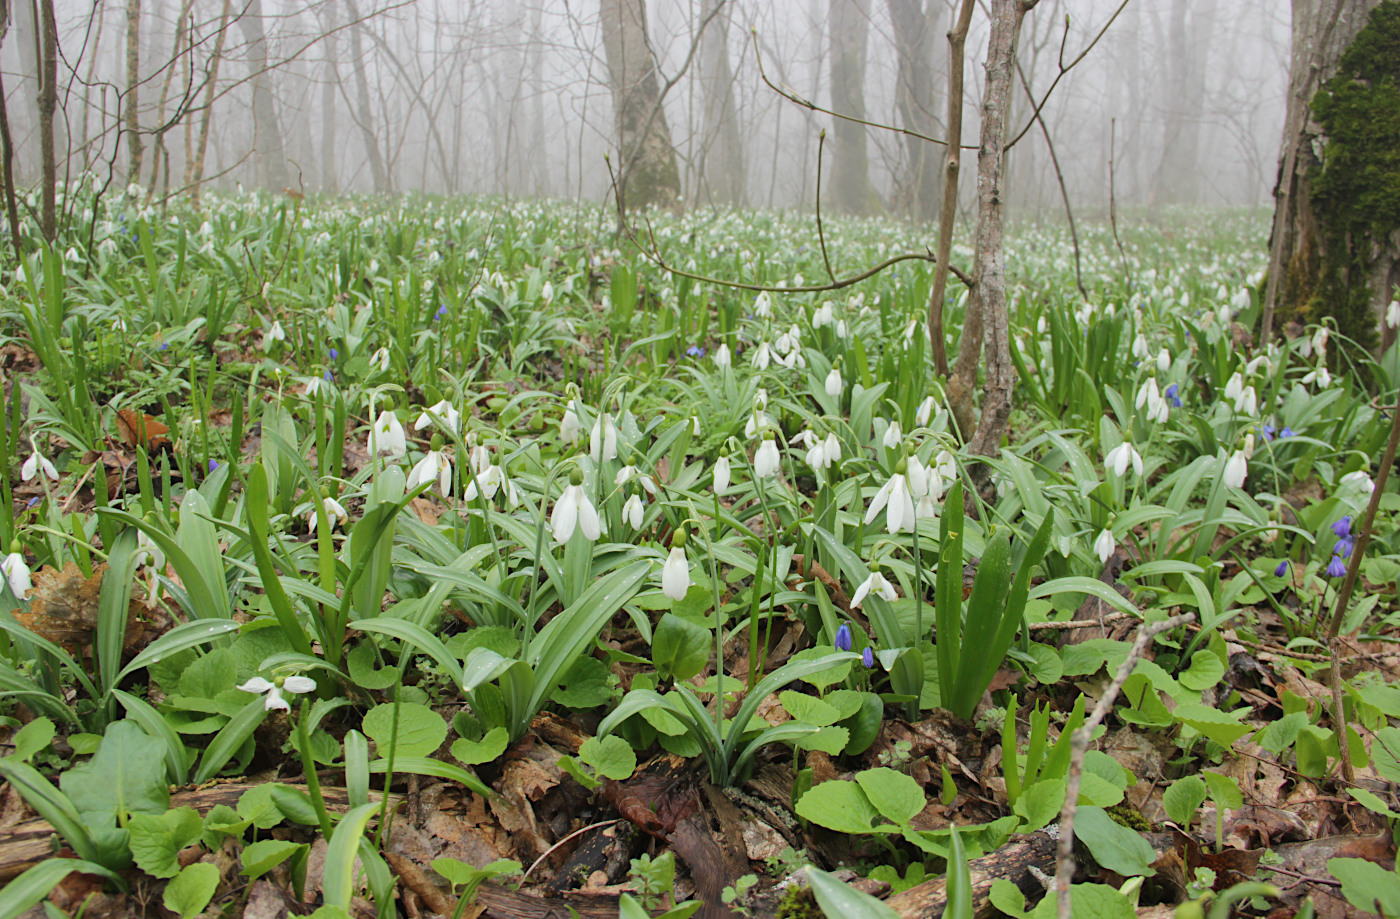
(51, 804)
(38, 882)
(257, 505)
(948, 592)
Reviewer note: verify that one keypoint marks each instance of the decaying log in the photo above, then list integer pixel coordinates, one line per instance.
(607, 849)
(1013, 862)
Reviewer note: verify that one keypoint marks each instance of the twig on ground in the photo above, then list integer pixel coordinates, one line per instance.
(1079, 745)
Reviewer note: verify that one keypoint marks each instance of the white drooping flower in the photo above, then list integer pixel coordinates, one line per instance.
(1321, 376)
(762, 356)
(574, 509)
(36, 462)
(1392, 315)
(675, 573)
(877, 584)
(1234, 387)
(925, 412)
(895, 498)
(946, 465)
(1248, 402)
(16, 571)
(1164, 360)
(1319, 340)
(695, 425)
(762, 305)
(1149, 396)
(335, 513)
(570, 428)
(443, 410)
(1360, 481)
(794, 360)
(379, 360)
(626, 473)
(722, 356)
(632, 512)
(602, 440)
(767, 459)
(1140, 349)
(1236, 469)
(387, 436)
(721, 473)
(274, 690)
(1121, 457)
(834, 384)
(1104, 546)
(274, 333)
(893, 435)
(823, 315)
(433, 465)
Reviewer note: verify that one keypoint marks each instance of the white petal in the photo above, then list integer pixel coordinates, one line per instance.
(274, 700)
(298, 684)
(565, 515)
(257, 684)
(675, 574)
(588, 520)
(31, 466)
(861, 592)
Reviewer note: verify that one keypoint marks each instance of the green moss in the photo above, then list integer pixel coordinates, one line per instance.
(1130, 817)
(799, 903)
(1356, 196)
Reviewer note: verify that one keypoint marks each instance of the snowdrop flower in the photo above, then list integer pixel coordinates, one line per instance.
(824, 315)
(433, 465)
(1164, 360)
(834, 384)
(35, 463)
(794, 360)
(762, 356)
(925, 412)
(1360, 481)
(876, 584)
(1140, 350)
(626, 473)
(602, 440)
(274, 333)
(570, 428)
(335, 513)
(443, 410)
(1148, 395)
(721, 473)
(1319, 340)
(1321, 376)
(119, 324)
(1392, 314)
(1234, 387)
(574, 509)
(1260, 361)
(767, 459)
(945, 465)
(842, 330)
(762, 305)
(1121, 456)
(379, 360)
(675, 573)
(633, 512)
(1248, 402)
(893, 435)
(1236, 469)
(788, 340)
(16, 571)
(547, 292)
(386, 436)
(722, 358)
(1104, 546)
(275, 688)
(895, 498)
(695, 425)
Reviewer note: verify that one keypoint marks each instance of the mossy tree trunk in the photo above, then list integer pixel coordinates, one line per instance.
(647, 171)
(1335, 247)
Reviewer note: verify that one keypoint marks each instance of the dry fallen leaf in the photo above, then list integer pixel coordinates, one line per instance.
(138, 429)
(63, 607)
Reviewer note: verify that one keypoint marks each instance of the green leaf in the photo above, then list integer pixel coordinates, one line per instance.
(360, 665)
(830, 740)
(1113, 846)
(338, 883)
(220, 823)
(192, 889)
(420, 730)
(1205, 671)
(959, 879)
(1088, 901)
(1040, 804)
(210, 675)
(33, 737)
(262, 856)
(23, 892)
(1385, 753)
(586, 684)
(126, 776)
(1366, 884)
(896, 796)
(487, 749)
(839, 899)
(1283, 733)
(1224, 791)
(611, 757)
(157, 839)
(1222, 727)
(680, 648)
(1183, 798)
(230, 738)
(840, 806)
(810, 709)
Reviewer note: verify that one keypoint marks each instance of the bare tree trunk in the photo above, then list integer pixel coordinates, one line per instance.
(723, 163)
(329, 183)
(539, 160)
(365, 118)
(48, 105)
(914, 29)
(948, 207)
(849, 182)
(989, 297)
(135, 146)
(1303, 250)
(194, 170)
(647, 170)
(1179, 169)
(7, 154)
(161, 127)
(268, 154)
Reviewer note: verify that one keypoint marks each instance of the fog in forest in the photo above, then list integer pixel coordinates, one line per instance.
(1185, 97)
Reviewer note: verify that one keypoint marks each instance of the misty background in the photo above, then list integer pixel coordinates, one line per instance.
(512, 98)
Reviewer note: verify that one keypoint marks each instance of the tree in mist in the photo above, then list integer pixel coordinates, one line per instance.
(916, 36)
(722, 159)
(268, 155)
(1183, 99)
(647, 169)
(1335, 249)
(849, 178)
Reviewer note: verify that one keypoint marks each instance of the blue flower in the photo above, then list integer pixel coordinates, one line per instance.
(1286, 432)
(695, 351)
(1342, 528)
(34, 500)
(1282, 570)
(213, 464)
(163, 347)
(335, 355)
(1170, 394)
(329, 377)
(867, 657)
(1268, 431)
(1343, 547)
(1336, 568)
(843, 637)
(442, 311)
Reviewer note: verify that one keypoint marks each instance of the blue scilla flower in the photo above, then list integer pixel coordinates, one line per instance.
(328, 377)
(1286, 432)
(213, 465)
(442, 311)
(1344, 547)
(1171, 395)
(867, 657)
(1282, 570)
(164, 346)
(695, 351)
(1342, 528)
(1268, 431)
(1336, 568)
(335, 355)
(843, 637)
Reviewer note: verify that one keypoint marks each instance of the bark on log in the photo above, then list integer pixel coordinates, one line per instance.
(1013, 862)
